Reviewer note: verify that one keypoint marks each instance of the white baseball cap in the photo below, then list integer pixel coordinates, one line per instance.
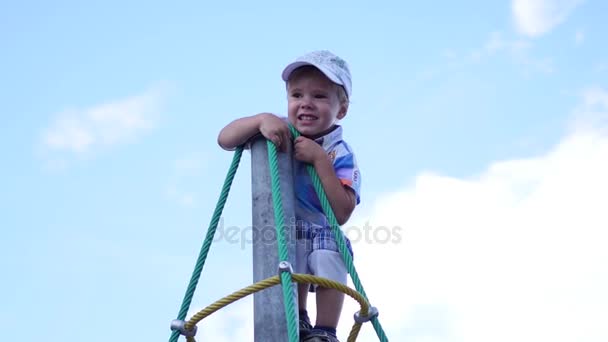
(334, 67)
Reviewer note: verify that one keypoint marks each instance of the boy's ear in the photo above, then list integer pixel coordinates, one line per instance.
(343, 110)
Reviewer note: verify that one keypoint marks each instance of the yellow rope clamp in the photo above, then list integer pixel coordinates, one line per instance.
(275, 280)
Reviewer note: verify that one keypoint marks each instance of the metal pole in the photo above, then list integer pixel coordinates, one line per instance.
(269, 310)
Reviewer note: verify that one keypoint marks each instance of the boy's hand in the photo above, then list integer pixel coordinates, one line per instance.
(308, 150)
(276, 130)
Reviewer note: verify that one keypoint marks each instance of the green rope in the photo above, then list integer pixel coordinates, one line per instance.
(348, 260)
(286, 279)
(279, 222)
(208, 240)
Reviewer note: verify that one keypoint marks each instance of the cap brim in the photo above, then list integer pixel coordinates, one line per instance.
(290, 68)
(293, 66)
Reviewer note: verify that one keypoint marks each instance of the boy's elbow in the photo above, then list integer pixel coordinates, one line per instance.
(344, 215)
(224, 142)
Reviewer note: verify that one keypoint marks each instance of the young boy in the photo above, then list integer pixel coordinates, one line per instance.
(318, 91)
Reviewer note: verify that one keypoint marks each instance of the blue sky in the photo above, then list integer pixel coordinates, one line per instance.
(110, 114)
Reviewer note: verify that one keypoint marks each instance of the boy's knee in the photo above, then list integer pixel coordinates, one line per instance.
(329, 292)
(328, 264)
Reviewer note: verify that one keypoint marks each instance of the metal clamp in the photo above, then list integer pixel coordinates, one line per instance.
(372, 313)
(180, 326)
(285, 266)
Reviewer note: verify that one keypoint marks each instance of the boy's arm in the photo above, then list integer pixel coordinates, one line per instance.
(240, 130)
(342, 199)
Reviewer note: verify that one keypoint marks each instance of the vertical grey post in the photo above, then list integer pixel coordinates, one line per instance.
(270, 322)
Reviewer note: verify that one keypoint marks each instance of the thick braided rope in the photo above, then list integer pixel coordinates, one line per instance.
(279, 222)
(275, 280)
(335, 227)
(208, 240)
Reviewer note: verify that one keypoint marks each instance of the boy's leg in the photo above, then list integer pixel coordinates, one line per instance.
(304, 321)
(329, 307)
(302, 295)
(303, 248)
(328, 264)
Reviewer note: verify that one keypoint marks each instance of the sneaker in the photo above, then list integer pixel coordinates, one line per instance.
(316, 335)
(305, 328)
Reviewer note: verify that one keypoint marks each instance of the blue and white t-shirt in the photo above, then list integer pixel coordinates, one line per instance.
(311, 220)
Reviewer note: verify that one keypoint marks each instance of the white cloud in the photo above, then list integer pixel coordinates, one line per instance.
(497, 43)
(515, 253)
(517, 49)
(534, 18)
(81, 130)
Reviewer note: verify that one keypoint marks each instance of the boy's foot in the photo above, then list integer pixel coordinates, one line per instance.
(305, 328)
(316, 335)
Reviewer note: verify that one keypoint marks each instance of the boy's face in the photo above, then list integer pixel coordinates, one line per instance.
(313, 103)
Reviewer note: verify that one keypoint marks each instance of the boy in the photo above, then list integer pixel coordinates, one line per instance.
(318, 90)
